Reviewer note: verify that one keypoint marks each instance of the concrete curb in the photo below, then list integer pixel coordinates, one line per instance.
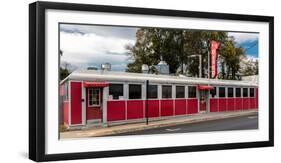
(155, 124)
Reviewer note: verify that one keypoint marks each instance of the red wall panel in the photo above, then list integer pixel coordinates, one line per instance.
(245, 103)
(135, 109)
(252, 103)
(153, 108)
(192, 106)
(238, 103)
(222, 104)
(76, 105)
(65, 111)
(213, 105)
(115, 110)
(230, 104)
(257, 98)
(180, 106)
(166, 107)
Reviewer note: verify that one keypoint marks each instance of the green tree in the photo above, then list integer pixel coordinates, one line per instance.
(230, 57)
(250, 67)
(196, 42)
(152, 44)
(176, 46)
(64, 70)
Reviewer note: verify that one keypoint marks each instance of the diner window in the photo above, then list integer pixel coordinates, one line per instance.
(213, 92)
(229, 92)
(221, 91)
(252, 92)
(238, 92)
(65, 96)
(245, 92)
(116, 90)
(152, 91)
(191, 91)
(93, 97)
(166, 91)
(134, 91)
(180, 91)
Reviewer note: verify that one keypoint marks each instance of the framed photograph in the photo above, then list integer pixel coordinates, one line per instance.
(108, 81)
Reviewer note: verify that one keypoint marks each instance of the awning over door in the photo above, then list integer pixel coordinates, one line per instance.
(205, 87)
(96, 84)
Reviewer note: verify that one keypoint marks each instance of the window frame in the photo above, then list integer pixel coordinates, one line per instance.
(171, 86)
(236, 92)
(225, 93)
(66, 91)
(128, 91)
(228, 92)
(176, 91)
(216, 95)
(94, 105)
(247, 92)
(250, 92)
(123, 92)
(157, 95)
(188, 88)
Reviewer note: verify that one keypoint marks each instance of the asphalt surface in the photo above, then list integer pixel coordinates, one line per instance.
(237, 123)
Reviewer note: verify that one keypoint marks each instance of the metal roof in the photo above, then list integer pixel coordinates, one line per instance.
(112, 76)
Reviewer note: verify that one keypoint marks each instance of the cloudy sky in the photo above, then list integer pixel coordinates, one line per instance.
(249, 41)
(89, 45)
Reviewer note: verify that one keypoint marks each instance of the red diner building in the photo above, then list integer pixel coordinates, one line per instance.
(104, 98)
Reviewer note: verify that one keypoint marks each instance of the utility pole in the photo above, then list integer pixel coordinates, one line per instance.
(200, 63)
(208, 62)
(146, 104)
(200, 66)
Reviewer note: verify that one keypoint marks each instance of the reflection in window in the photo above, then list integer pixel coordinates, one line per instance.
(94, 97)
(134, 91)
(229, 92)
(238, 92)
(245, 92)
(152, 91)
(252, 92)
(116, 90)
(180, 91)
(221, 91)
(191, 91)
(166, 91)
(213, 92)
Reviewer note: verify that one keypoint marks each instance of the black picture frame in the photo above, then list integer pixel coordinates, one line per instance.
(37, 80)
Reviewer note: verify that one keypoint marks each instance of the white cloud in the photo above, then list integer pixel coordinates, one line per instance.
(91, 49)
(101, 30)
(244, 37)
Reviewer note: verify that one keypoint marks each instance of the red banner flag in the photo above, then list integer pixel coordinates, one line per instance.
(214, 58)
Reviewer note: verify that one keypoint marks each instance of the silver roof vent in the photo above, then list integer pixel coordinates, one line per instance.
(92, 68)
(106, 66)
(145, 68)
(163, 68)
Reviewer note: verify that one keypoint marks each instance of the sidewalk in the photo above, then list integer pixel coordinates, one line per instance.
(155, 124)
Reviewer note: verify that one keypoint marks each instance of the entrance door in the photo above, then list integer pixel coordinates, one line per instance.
(203, 100)
(94, 105)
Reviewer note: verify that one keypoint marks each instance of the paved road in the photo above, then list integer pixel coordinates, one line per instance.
(237, 123)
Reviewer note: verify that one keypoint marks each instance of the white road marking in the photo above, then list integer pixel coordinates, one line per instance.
(171, 130)
(252, 117)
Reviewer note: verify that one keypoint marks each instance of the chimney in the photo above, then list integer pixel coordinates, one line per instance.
(106, 66)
